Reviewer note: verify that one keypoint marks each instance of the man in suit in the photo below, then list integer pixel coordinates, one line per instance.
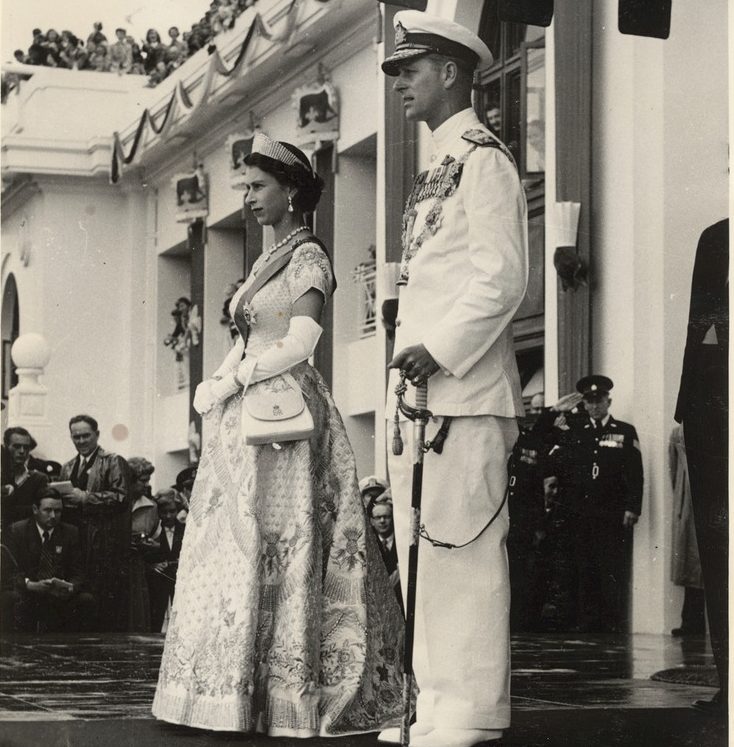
(99, 505)
(42, 572)
(703, 409)
(463, 276)
(380, 512)
(21, 483)
(601, 481)
(162, 564)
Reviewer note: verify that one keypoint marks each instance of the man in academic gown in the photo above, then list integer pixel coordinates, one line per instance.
(99, 505)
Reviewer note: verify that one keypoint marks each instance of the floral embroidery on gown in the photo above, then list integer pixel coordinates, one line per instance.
(284, 620)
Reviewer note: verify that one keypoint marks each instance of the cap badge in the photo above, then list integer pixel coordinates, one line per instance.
(593, 387)
(401, 35)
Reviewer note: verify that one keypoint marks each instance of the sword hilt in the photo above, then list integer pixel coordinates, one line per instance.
(421, 396)
(420, 412)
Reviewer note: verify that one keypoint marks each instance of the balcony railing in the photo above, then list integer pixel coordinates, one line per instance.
(365, 278)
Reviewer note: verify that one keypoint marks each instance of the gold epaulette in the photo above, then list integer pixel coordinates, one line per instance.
(481, 137)
(484, 139)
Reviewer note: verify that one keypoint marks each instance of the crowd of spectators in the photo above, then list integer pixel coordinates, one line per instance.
(123, 54)
(87, 545)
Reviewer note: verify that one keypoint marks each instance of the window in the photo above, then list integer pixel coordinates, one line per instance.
(511, 97)
(510, 100)
(532, 123)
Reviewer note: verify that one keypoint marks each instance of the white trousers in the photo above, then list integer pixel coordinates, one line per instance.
(461, 656)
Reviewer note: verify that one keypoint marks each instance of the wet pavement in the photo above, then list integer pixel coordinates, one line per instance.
(566, 689)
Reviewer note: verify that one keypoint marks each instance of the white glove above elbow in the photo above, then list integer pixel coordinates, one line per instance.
(297, 346)
(232, 359)
(204, 399)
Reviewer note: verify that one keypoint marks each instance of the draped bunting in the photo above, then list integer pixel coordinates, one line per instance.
(181, 100)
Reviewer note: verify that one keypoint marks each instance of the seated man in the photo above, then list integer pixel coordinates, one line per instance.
(42, 572)
(21, 482)
(162, 564)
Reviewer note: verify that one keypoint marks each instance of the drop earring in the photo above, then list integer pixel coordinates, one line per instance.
(290, 204)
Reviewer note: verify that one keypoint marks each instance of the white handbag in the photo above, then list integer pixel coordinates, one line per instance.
(275, 411)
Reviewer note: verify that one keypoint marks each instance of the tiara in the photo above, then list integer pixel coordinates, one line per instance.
(274, 149)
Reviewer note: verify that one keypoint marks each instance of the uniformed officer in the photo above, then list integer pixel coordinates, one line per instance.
(602, 483)
(529, 514)
(463, 276)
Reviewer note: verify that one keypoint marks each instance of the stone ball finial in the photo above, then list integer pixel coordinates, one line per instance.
(31, 351)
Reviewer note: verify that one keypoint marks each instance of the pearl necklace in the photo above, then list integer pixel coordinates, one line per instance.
(283, 242)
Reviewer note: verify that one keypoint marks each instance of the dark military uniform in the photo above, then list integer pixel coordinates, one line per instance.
(557, 578)
(525, 504)
(602, 478)
(527, 519)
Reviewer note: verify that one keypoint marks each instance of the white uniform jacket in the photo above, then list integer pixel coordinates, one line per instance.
(467, 280)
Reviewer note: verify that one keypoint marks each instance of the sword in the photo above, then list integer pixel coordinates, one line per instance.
(420, 416)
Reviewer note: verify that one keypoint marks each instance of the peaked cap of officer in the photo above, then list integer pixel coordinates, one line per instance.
(594, 385)
(418, 33)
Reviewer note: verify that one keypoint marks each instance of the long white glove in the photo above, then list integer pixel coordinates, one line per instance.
(297, 346)
(204, 400)
(232, 359)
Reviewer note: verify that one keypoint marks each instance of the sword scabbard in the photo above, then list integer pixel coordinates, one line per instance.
(415, 525)
(420, 417)
(405, 722)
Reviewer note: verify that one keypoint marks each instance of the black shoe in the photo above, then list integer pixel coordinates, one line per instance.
(714, 707)
(682, 632)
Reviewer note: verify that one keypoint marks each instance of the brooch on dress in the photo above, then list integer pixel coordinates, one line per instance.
(249, 314)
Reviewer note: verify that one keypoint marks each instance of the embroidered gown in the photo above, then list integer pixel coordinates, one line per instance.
(284, 620)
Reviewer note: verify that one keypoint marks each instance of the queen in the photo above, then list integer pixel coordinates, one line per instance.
(284, 620)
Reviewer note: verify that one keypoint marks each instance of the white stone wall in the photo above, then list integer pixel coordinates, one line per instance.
(659, 167)
(356, 362)
(22, 233)
(85, 290)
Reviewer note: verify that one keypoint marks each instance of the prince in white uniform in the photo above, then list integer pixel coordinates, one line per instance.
(463, 276)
